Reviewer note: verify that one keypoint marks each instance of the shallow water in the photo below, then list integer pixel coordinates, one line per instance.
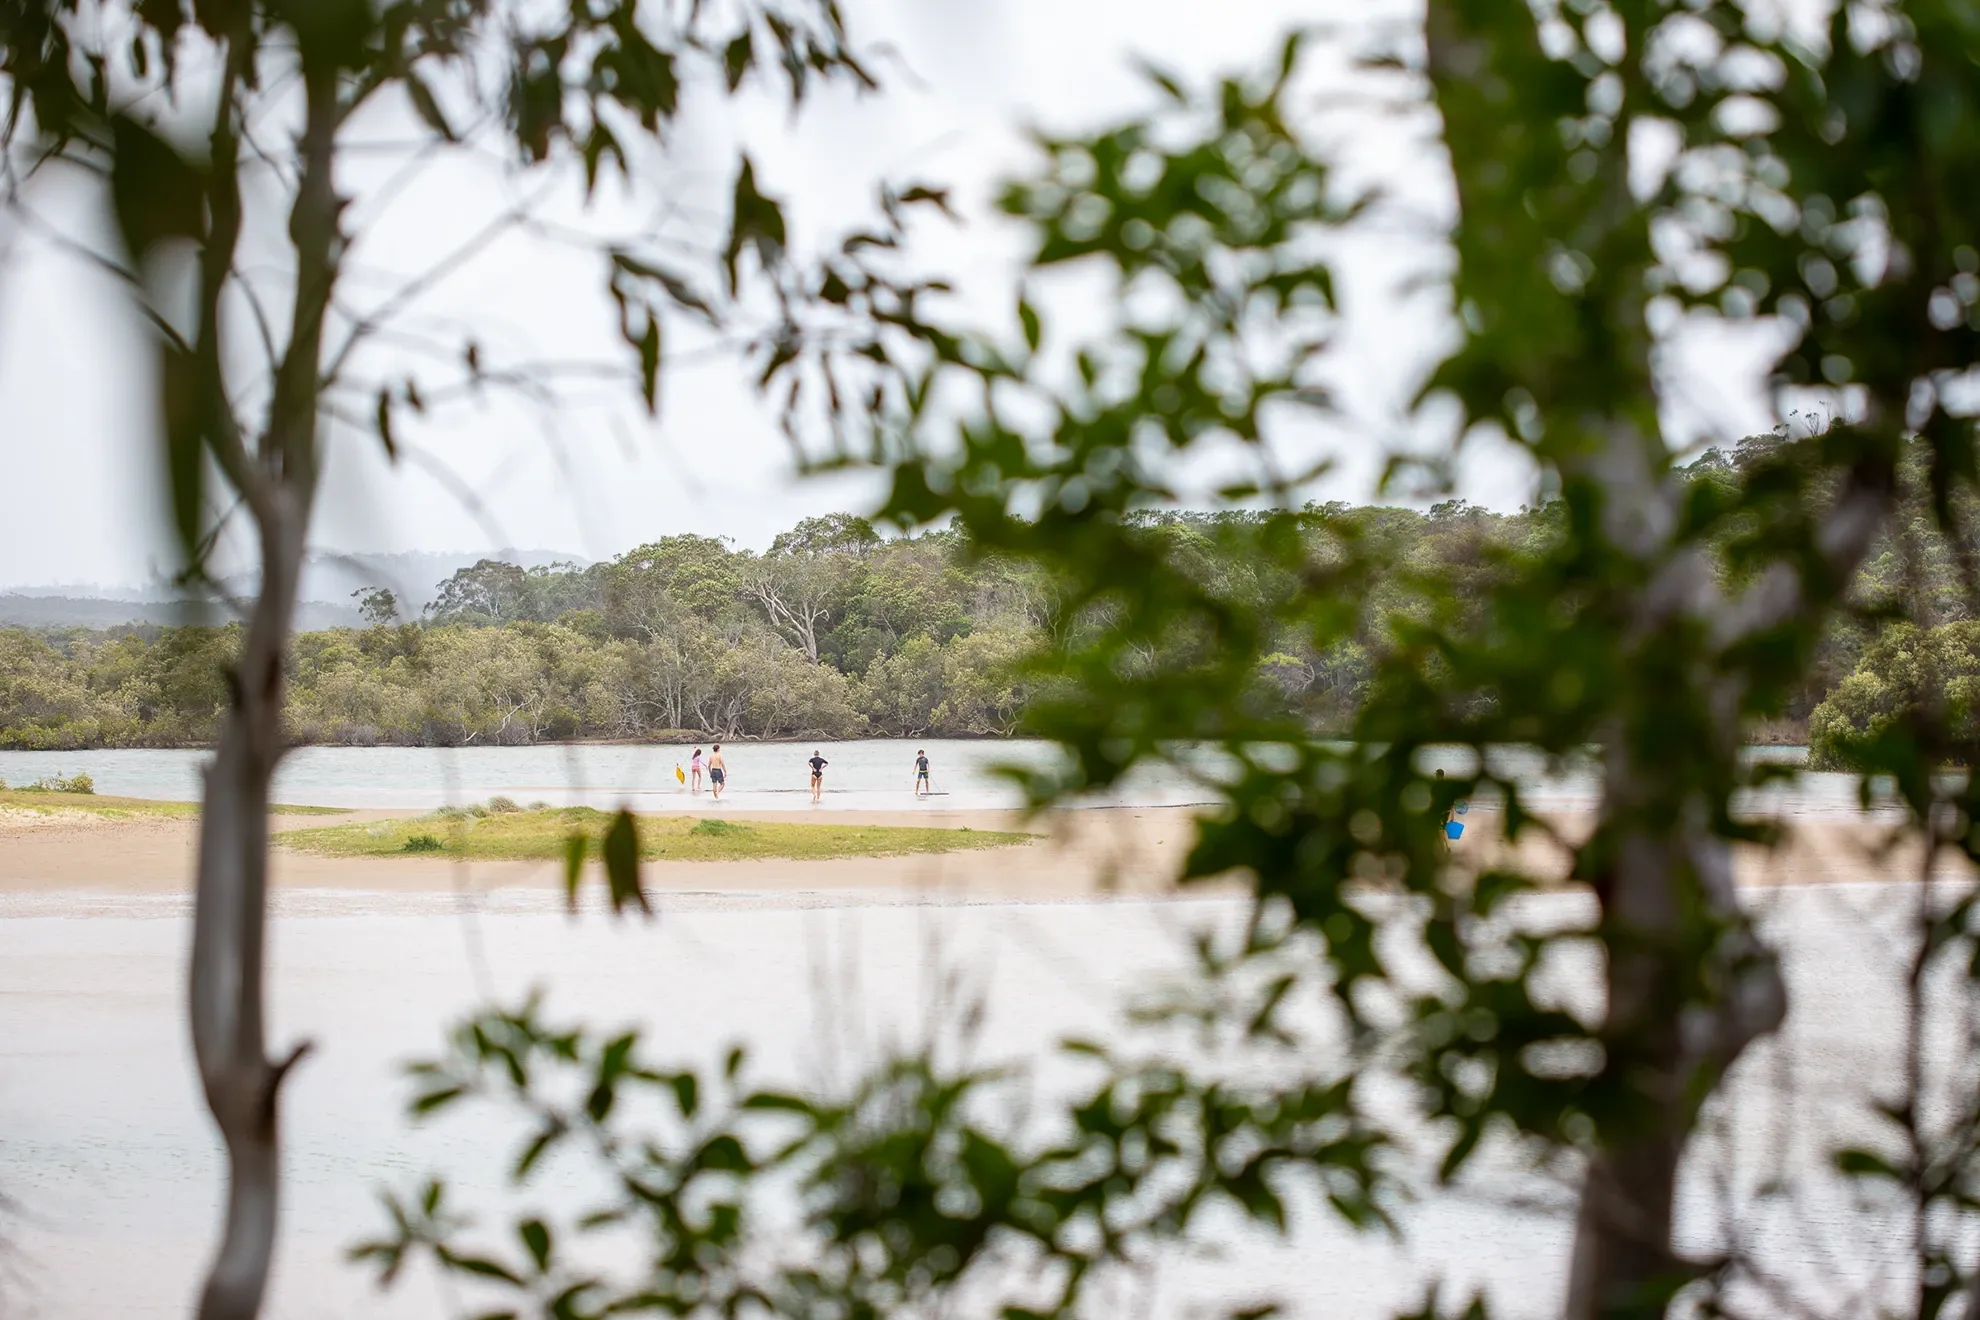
(867, 775)
(104, 1145)
(863, 776)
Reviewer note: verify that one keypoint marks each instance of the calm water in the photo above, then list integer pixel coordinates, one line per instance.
(105, 1146)
(867, 775)
(863, 776)
(103, 1142)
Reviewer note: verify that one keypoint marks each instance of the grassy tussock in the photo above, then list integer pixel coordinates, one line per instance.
(539, 835)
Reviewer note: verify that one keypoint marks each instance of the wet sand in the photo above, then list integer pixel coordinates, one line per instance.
(1080, 855)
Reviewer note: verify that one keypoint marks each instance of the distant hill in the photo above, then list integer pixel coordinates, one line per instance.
(327, 583)
(19, 610)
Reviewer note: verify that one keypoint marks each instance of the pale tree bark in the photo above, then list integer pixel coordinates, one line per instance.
(797, 605)
(1689, 984)
(226, 992)
(1675, 1048)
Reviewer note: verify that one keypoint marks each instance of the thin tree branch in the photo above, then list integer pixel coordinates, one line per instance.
(108, 266)
(415, 288)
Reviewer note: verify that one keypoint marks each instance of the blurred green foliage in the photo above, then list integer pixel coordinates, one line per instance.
(1620, 169)
(916, 1187)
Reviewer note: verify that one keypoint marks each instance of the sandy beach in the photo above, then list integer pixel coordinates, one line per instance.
(1079, 855)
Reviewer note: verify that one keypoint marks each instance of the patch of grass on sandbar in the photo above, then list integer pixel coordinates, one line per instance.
(539, 836)
(121, 808)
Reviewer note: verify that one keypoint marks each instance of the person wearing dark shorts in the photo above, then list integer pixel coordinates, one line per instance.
(718, 770)
(818, 764)
(921, 773)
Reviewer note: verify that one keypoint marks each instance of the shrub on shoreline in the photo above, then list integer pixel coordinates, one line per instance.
(78, 783)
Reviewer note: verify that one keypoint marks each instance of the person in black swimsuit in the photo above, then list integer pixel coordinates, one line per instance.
(921, 773)
(818, 764)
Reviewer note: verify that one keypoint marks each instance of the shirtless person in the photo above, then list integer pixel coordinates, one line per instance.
(818, 764)
(718, 770)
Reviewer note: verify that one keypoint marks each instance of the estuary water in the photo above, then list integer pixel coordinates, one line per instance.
(864, 775)
(114, 1175)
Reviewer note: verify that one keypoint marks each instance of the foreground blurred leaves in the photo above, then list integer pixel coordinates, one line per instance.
(912, 1190)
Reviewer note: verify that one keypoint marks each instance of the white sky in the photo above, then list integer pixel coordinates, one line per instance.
(81, 483)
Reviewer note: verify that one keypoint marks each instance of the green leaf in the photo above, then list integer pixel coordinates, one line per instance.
(1170, 84)
(535, 1235)
(553, 1131)
(923, 195)
(737, 57)
(185, 405)
(430, 1101)
(599, 143)
(385, 424)
(481, 1266)
(649, 364)
(426, 107)
(678, 288)
(1028, 318)
(687, 1093)
(622, 879)
(576, 845)
(780, 1103)
(1858, 1163)
(725, 1154)
(156, 193)
(756, 222)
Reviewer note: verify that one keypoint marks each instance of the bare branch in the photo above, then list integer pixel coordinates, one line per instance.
(415, 288)
(108, 266)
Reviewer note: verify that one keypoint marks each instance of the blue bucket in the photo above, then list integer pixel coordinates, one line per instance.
(1454, 829)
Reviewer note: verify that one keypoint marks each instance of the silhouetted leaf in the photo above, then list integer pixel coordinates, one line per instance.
(621, 852)
(576, 847)
(535, 1235)
(427, 107)
(756, 222)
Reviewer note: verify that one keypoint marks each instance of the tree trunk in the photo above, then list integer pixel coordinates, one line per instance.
(229, 937)
(1677, 1018)
(278, 485)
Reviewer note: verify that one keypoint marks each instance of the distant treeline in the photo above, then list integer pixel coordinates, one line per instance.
(837, 632)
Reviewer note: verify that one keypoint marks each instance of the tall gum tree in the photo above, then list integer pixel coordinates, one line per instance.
(194, 115)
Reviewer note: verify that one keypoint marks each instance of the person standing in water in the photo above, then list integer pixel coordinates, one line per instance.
(818, 764)
(921, 773)
(718, 771)
(694, 768)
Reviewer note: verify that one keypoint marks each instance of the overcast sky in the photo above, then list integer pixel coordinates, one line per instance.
(80, 498)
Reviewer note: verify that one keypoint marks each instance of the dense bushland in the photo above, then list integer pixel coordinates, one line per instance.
(837, 632)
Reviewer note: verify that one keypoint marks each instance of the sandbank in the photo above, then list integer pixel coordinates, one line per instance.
(1085, 854)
